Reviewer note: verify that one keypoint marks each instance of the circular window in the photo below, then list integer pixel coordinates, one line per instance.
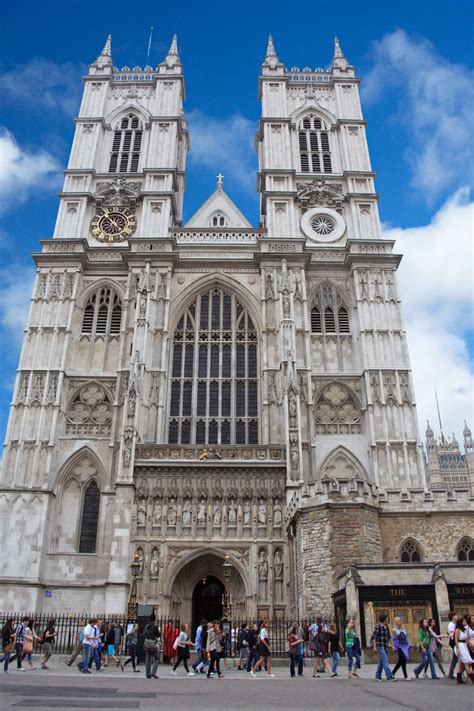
(321, 224)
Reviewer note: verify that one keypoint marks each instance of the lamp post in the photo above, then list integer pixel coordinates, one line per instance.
(135, 567)
(227, 572)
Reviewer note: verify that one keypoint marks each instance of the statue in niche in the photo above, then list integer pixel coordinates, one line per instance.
(141, 513)
(278, 574)
(201, 513)
(247, 513)
(140, 556)
(186, 515)
(156, 516)
(277, 513)
(292, 408)
(269, 291)
(262, 574)
(286, 304)
(262, 513)
(217, 516)
(272, 389)
(172, 512)
(232, 513)
(142, 306)
(294, 454)
(154, 563)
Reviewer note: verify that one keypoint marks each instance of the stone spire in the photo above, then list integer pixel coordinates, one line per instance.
(430, 441)
(339, 59)
(105, 57)
(271, 58)
(172, 57)
(174, 46)
(467, 434)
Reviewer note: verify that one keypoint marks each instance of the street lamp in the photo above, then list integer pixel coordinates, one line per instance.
(227, 572)
(135, 567)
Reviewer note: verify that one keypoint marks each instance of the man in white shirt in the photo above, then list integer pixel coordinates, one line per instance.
(89, 645)
(453, 618)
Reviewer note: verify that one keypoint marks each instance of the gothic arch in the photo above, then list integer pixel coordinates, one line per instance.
(341, 464)
(343, 293)
(178, 566)
(337, 409)
(66, 471)
(114, 116)
(99, 284)
(410, 551)
(312, 108)
(465, 549)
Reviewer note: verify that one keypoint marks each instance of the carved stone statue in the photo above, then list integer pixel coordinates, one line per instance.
(273, 398)
(201, 513)
(186, 515)
(262, 574)
(156, 516)
(292, 408)
(277, 513)
(286, 304)
(269, 291)
(217, 515)
(262, 513)
(247, 514)
(232, 513)
(294, 454)
(278, 574)
(172, 512)
(141, 513)
(154, 563)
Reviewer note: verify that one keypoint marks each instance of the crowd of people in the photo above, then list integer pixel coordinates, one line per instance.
(100, 644)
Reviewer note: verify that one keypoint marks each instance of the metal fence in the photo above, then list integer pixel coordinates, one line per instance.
(66, 627)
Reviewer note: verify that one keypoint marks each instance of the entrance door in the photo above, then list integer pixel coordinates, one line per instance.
(207, 600)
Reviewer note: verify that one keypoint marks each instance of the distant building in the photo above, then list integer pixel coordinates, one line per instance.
(187, 392)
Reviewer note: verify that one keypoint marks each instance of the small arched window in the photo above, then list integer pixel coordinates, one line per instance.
(218, 220)
(126, 146)
(329, 314)
(103, 313)
(466, 549)
(313, 141)
(90, 519)
(410, 552)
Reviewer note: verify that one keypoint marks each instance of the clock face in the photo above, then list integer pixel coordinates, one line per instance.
(112, 224)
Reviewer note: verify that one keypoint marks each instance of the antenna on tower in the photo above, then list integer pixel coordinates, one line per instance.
(439, 416)
(149, 47)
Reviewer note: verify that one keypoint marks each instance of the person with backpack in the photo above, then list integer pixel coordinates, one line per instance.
(47, 639)
(152, 651)
(294, 651)
(131, 645)
(181, 645)
(381, 641)
(8, 645)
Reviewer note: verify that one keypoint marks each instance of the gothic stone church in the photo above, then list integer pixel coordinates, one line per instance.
(187, 391)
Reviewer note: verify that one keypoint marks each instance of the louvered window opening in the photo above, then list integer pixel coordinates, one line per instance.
(126, 146)
(328, 314)
(103, 313)
(90, 519)
(214, 386)
(313, 141)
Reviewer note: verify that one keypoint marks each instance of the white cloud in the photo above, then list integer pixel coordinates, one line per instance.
(435, 104)
(16, 283)
(22, 171)
(43, 84)
(225, 145)
(436, 287)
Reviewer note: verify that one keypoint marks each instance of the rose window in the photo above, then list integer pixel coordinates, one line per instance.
(323, 224)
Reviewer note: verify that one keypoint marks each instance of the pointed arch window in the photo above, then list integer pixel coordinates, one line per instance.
(466, 549)
(410, 552)
(89, 519)
(214, 386)
(103, 313)
(313, 142)
(329, 314)
(218, 220)
(126, 146)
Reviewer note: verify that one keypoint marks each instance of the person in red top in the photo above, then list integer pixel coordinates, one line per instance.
(169, 635)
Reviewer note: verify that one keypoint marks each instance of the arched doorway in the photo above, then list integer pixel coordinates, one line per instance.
(207, 600)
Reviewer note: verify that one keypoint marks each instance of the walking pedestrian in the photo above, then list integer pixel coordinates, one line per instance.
(264, 651)
(200, 641)
(79, 640)
(318, 645)
(30, 637)
(436, 645)
(170, 632)
(19, 642)
(109, 646)
(213, 649)
(453, 618)
(89, 647)
(252, 639)
(465, 660)
(182, 645)
(334, 649)
(242, 646)
(8, 645)
(381, 641)
(353, 655)
(152, 650)
(118, 635)
(47, 638)
(423, 644)
(401, 645)
(294, 651)
(131, 645)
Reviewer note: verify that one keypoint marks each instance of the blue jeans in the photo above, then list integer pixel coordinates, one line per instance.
(253, 658)
(383, 664)
(426, 658)
(352, 656)
(335, 661)
(296, 660)
(89, 652)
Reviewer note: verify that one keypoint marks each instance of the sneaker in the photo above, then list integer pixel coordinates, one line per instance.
(315, 676)
(333, 675)
(407, 678)
(21, 669)
(355, 674)
(136, 671)
(86, 671)
(173, 673)
(191, 674)
(43, 666)
(378, 678)
(425, 675)
(122, 667)
(252, 673)
(392, 678)
(6, 671)
(220, 676)
(271, 675)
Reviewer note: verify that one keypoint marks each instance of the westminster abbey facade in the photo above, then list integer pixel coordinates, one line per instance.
(188, 391)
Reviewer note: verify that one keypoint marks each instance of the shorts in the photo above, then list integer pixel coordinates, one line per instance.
(263, 650)
(111, 650)
(243, 652)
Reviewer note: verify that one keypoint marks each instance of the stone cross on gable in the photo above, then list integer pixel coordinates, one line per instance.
(220, 180)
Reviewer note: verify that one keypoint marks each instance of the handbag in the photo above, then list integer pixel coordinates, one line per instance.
(9, 648)
(150, 645)
(28, 646)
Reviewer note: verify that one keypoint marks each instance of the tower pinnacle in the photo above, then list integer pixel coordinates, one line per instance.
(105, 57)
(174, 46)
(339, 59)
(172, 58)
(271, 58)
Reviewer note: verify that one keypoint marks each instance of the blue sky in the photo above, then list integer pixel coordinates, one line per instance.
(415, 60)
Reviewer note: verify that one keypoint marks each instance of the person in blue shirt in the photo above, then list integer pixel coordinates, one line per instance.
(200, 646)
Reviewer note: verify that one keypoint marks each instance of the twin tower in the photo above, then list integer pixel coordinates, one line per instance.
(191, 391)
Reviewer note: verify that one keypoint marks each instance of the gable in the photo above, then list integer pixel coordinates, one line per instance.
(218, 212)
